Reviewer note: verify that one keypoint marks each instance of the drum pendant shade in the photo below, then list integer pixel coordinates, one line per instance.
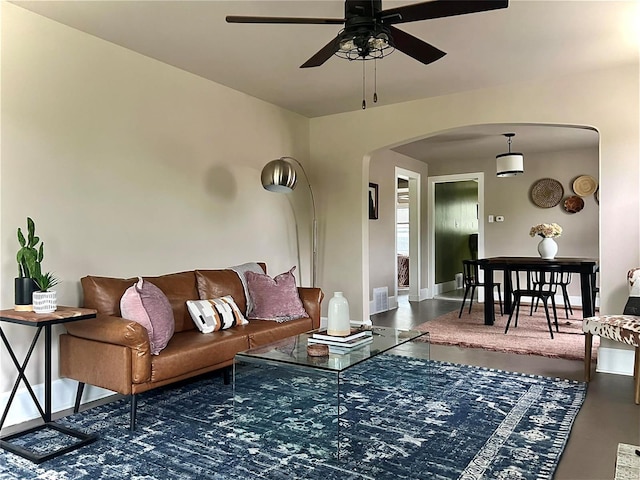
(509, 164)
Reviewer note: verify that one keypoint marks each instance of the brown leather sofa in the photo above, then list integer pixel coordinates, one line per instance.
(114, 353)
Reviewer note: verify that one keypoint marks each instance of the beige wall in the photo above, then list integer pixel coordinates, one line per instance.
(131, 167)
(382, 239)
(606, 100)
(509, 197)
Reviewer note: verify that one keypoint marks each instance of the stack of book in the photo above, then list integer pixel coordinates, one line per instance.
(345, 344)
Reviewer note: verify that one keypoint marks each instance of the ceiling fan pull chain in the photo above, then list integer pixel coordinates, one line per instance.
(375, 80)
(364, 102)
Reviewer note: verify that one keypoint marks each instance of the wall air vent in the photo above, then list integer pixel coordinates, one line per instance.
(381, 299)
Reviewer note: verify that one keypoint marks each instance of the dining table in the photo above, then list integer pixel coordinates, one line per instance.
(585, 267)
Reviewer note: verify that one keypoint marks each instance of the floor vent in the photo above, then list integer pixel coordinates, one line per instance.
(381, 299)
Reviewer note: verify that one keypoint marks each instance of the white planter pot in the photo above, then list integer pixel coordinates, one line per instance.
(44, 302)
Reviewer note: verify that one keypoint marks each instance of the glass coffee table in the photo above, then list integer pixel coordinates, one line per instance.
(280, 391)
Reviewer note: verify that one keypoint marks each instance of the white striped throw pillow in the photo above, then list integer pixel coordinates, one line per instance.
(215, 314)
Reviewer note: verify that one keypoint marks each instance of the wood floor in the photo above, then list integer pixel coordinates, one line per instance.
(608, 417)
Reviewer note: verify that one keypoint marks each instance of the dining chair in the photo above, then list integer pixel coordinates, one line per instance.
(564, 279)
(538, 284)
(471, 279)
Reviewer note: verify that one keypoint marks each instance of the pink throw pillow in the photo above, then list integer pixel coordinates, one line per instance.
(147, 305)
(274, 298)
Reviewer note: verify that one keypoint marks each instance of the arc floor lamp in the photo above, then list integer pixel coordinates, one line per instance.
(280, 176)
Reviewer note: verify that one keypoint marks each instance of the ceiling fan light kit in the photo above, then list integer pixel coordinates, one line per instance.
(511, 163)
(369, 34)
(364, 44)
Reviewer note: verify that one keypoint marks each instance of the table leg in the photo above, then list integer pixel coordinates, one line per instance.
(586, 293)
(489, 309)
(47, 373)
(80, 438)
(21, 375)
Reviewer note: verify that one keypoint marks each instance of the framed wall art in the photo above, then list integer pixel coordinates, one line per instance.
(373, 201)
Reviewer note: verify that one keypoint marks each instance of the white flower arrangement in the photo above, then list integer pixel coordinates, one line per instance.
(546, 230)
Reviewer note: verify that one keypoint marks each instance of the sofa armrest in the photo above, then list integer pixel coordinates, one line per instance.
(114, 330)
(311, 301)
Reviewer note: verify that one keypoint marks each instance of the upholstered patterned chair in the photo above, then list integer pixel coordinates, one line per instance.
(623, 328)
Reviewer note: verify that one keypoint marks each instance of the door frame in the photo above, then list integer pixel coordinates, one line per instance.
(415, 237)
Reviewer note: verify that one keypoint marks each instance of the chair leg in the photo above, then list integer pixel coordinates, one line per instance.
(546, 311)
(132, 418)
(515, 306)
(500, 300)
(636, 376)
(464, 299)
(555, 312)
(473, 292)
(76, 406)
(588, 337)
(567, 302)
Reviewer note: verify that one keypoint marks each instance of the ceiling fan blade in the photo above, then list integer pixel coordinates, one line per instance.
(414, 47)
(305, 21)
(438, 9)
(323, 54)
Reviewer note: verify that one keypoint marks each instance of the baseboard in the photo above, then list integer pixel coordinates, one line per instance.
(63, 396)
(439, 288)
(615, 360)
(423, 294)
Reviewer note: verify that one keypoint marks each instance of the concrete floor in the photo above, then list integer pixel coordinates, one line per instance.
(608, 416)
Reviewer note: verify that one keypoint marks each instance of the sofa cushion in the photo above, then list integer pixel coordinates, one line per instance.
(178, 287)
(190, 351)
(215, 314)
(261, 332)
(145, 304)
(104, 294)
(274, 298)
(220, 283)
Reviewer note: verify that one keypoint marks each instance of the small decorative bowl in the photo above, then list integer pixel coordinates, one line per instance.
(317, 350)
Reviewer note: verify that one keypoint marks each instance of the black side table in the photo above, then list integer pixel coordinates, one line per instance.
(41, 321)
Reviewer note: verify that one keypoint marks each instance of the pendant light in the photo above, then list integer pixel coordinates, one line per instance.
(511, 163)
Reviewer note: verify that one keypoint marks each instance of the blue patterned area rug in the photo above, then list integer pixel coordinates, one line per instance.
(400, 418)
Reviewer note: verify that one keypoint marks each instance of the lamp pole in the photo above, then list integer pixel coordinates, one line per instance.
(314, 260)
(280, 176)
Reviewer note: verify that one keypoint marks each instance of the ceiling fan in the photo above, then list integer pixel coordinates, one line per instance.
(369, 33)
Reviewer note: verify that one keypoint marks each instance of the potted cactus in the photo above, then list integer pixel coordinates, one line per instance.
(29, 258)
(44, 300)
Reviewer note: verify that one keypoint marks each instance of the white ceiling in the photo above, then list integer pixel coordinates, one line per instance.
(531, 39)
